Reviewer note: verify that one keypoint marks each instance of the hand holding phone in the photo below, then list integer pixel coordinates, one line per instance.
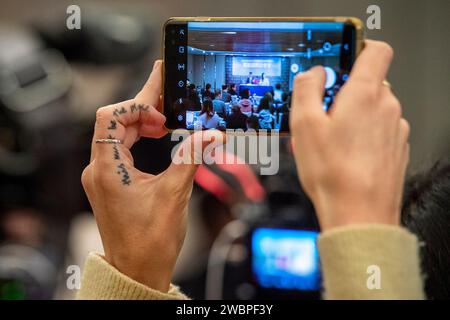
(352, 161)
(141, 217)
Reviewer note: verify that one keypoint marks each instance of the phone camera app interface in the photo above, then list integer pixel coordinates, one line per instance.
(240, 75)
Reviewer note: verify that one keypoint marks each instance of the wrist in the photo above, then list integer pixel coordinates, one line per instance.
(344, 212)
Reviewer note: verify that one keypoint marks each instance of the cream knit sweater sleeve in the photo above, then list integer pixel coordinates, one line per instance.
(370, 262)
(101, 281)
(358, 262)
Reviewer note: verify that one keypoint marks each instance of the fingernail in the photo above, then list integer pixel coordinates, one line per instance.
(157, 62)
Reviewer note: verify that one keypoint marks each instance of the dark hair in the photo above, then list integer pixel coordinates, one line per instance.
(278, 86)
(264, 104)
(192, 86)
(253, 122)
(245, 93)
(426, 213)
(232, 85)
(268, 95)
(217, 93)
(224, 87)
(208, 86)
(207, 107)
(236, 108)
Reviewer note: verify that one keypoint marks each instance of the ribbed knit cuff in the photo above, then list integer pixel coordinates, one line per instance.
(101, 281)
(370, 262)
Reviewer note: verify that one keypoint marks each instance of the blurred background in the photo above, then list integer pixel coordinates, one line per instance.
(46, 125)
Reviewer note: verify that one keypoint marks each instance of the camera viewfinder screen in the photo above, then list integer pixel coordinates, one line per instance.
(239, 75)
(285, 259)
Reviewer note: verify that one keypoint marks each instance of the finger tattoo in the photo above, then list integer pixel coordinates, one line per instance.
(139, 107)
(116, 152)
(113, 125)
(120, 111)
(122, 170)
(143, 107)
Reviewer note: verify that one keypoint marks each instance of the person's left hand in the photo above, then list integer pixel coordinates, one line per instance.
(141, 217)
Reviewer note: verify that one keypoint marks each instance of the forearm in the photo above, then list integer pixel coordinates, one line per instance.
(352, 256)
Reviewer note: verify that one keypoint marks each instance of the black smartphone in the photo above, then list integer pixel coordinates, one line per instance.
(238, 73)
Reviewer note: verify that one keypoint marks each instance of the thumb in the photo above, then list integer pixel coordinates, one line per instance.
(193, 151)
(308, 96)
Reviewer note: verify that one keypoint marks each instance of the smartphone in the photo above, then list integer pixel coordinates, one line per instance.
(238, 73)
(285, 259)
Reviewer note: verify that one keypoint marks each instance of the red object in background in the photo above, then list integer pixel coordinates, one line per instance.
(243, 173)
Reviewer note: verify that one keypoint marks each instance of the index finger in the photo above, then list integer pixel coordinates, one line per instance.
(151, 91)
(373, 62)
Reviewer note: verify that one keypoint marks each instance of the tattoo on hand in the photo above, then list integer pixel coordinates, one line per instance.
(116, 152)
(117, 112)
(113, 125)
(143, 107)
(124, 173)
(139, 107)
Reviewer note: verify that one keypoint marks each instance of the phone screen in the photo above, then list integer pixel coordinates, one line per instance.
(240, 75)
(285, 259)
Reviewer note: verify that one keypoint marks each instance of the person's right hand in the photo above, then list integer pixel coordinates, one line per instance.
(141, 217)
(352, 160)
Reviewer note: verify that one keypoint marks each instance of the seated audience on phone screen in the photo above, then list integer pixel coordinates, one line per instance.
(264, 114)
(283, 106)
(218, 104)
(232, 90)
(194, 99)
(207, 93)
(236, 120)
(282, 113)
(253, 122)
(226, 97)
(269, 97)
(426, 213)
(245, 103)
(209, 119)
(277, 93)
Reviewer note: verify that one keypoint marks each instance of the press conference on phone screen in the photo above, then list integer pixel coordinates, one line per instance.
(224, 155)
